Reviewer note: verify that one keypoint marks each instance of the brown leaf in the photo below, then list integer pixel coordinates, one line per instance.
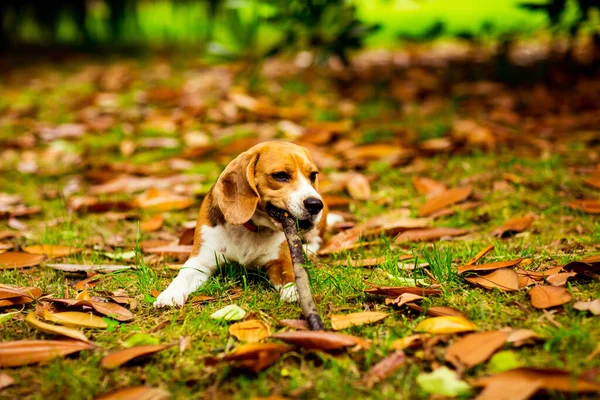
(6, 380)
(340, 241)
(592, 306)
(411, 341)
(480, 255)
(358, 186)
(51, 251)
(85, 268)
(490, 266)
(519, 337)
(514, 225)
(334, 201)
(162, 200)
(522, 383)
(250, 331)
(112, 310)
(444, 199)
(475, 348)
(399, 290)
(366, 262)
(152, 224)
(539, 275)
(171, 250)
(10, 292)
(560, 279)
(119, 357)
(41, 326)
(321, 340)
(256, 357)
(593, 181)
(418, 235)
(440, 311)
(505, 279)
(428, 186)
(384, 368)
(299, 324)
(588, 206)
(444, 212)
(582, 267)
(549, 296)
(137, 393)
(343, 321)
(24, 352)
(11, 259)
(403, 299)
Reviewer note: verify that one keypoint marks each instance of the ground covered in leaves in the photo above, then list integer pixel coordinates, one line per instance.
(464, 265)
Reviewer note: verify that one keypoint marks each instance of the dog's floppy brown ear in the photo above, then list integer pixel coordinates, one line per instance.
(236, 191)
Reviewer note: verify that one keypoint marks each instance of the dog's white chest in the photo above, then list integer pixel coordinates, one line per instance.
(236, 243)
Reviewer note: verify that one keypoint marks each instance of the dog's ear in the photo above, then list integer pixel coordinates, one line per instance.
(235, 190)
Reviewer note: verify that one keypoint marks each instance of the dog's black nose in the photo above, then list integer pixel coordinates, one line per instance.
(313, 205)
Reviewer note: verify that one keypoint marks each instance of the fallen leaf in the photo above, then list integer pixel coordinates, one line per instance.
(185, 343)
(366, 262)
(490, 266)
(593, 181)
(152, 224)
(592, 306)
(444, 199)
(231, 312)
(475, 348)
(358, 186)
(119, 357)
(83, 295)
(427, 186)
(91, 267)
(409, 341)
(445, 324)
(321, 340)
(399, 290)
(480, 255)
(549, 296)
(162, 200)
(384, 368)
(112, 310)
(12, 259)
(41, 326)
(419, 235)
(9, 292)
(6, 380)
(299, 324)
(76, 319)
(172, 250)
(522, 383)
(440, 311)
(341, 241)
(519, 337)
(442, 382)
(588, 206)
(250, 331)
(582, 267)
(137, 393)
(51, 251)
(403, 299)
(504, 279)
(464, 206)
(514, 225)
(560, 279)
(256, 356)
(24, 352)
(343, 321)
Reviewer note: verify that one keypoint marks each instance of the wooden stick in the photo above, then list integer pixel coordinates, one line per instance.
(304, 293)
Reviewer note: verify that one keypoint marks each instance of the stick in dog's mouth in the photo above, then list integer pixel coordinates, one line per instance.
(278, 214)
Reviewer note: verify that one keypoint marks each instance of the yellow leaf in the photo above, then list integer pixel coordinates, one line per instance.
(51, 251)
(445, 324)
(343, 321)
(76, 319)
(83, 295)
(55, 329)
(251, 331)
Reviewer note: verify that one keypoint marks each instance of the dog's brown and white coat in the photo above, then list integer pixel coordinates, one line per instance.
(236, 223)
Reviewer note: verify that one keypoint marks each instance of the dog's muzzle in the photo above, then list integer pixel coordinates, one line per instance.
(278, 214)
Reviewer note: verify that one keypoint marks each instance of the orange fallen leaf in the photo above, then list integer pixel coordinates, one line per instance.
(444, 199)
(440, 311)
(343, 321)
(152, 224)
(519, 337)
(299, 324)
(137, 393)
(50, 250)
(384, 368)
(490, 266)
(366, 262)
(358, 186)
(410, 341)
(24, 352)
(588, 206)
(428, 186)
(475, 348)
(560, 279)
(321, 340)
(549, 296)
(12, 259)
(480, 255)
(464, 206)
(593, 181)
(403, 299)
(418, 235)
(6, 380)
(119, 357)
(514, 225)
(10, 292)
(255, 357)
(505, 279)
(399, 290)
(250, 331)
(162, 200)
(112, 310)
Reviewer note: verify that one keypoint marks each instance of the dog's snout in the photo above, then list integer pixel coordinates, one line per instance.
(313, 205)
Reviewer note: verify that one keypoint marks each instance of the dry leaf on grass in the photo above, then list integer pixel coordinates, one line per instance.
(152, 224)
(445, 324)
(475, 348)
(137, 393)
(506, 280)
(592, 306)
(119, 357)
(520, 337)
(480, 255)
(428, 186)
(299, 324)
(522, 383)
(254, 357)
(13, 259)
(76, 319)
(162, 200)
(85, 268)
(444, 199)
(6, 380)
(588, 206)
(25, 352)
(490, 266)
(560, 279)
(41, 326)
(50, 250)
(171, 250)
(358, 186)
(403, 299)
(250, 331)
(384, 368)
(420, 235)
(112, 310)
(410, 341)
(399, 290)
(321, 340)
(583, 267)
(343, 321)
(11, 292)
(514, 225)
(549, 296)
(366, 262)
(441, 311)
(593, 181)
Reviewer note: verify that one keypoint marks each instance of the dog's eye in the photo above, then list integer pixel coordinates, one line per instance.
(313, 177)
(281, 176)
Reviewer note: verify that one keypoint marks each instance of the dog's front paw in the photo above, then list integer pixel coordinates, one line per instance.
(289, 293)
(170, 298)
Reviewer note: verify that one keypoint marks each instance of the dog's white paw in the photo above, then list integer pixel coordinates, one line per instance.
(171, 298)
(289, 293)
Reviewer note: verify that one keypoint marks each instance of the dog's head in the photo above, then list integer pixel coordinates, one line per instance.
(266, 179)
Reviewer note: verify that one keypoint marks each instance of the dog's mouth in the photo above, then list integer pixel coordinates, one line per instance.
(278, 214)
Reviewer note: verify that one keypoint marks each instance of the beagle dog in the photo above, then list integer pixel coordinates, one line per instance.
(237, 219)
